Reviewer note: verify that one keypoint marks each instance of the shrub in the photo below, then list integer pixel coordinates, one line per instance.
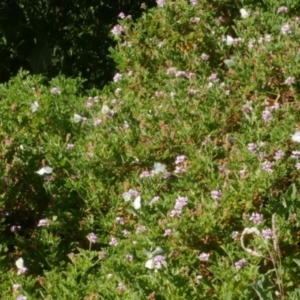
(183, 179)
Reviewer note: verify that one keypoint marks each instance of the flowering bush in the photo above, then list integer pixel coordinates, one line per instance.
(179, 180)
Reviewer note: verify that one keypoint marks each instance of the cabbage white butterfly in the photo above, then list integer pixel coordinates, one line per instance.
(77, 118)
(45, 170)
(229, 40)
(296, 137)
(20, 265)
(150, 262)
(34, 106)
(137, 203)
(105, 110)
(244, 13)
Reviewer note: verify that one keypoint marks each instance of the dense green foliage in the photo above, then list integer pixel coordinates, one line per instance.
(61, 37)
(178, 180)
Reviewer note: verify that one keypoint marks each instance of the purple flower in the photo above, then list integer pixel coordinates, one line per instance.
(146, 174)
(97, 122)
(204, 256)
(70, 146)
(295, 154)
(43, 222)
(125, 232)
(193, 2)
(21, 297)
(159, 261)
(171, 71)
(234, 234)
(198, 279)
(216, 194)
(140, 229)
(297, 165)
(117, 77)
(121, 287)
(117, 30)
(180, 74)
(175, 213)
(256, 218)
(240, 264)
(267, 166)
(153, 200)
(55, 91)
(266, 115)
(282, 9)
(16, 287)
(289, 81)
(168, 232)
(129, 257)
(214, 77)
(121, 15)
(15, 228)
(180, 202)
(278, 155)
(120, 220)
(286, 29)
(160, 3)
(92, 237)
(179, 159)
(267, 233)
(252, 147)
(204, 56)
(194, 20)
(113, 242)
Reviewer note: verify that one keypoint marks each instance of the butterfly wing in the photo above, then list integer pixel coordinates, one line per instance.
(20, 263)
(137, 203)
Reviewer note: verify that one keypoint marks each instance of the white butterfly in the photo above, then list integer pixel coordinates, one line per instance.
(229, 40)
(296, 137)
(34, 106)
(137, 203)
(126, 196)
(229, 62)
(159, 168)
(150, 264)
(20, 265)
(77, 118)
(45, 170)
(244, 13)
(105, 110)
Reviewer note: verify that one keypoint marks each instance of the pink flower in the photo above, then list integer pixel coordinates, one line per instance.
(160, 3)
(97, 122)
(21, 297)
(117, 77)
(289, 81)
(204, 256)
(282, 9)
(168, 232)
(140, 229)
(278, 155)
(180, 159)
(121, 15)
(129, 257)
(266, 115)
(113, 242)
(204, 56)
(180, 202)
(117, 30)
(240, 264)
(267, 166)
(267, 233)
(154, 199)
(120, 220)
(70, 146)
(286, 29)
(15, 228)
(92, 237)
(16, 287)
(175, 213)
(252, 147)
(55, 91)
(256, 218)
(43, 222)
(216, 194)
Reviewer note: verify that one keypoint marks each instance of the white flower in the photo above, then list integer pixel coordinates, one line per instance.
(45, 170)
(244, 13)
(296, 137)
(34, 106)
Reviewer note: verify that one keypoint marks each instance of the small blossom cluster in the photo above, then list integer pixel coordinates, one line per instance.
(117, 30)
(256, 218)
(180, 164)
(91, 101)
(174, 71)
(179, 204)
(267, 38)
(240, 264)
